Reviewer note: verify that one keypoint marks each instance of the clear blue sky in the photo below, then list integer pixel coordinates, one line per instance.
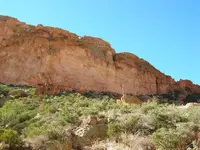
(164, 32)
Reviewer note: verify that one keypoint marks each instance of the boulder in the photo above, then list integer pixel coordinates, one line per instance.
(130, 99)
(17, 94)
(118, 101)
(89, 133)
(91, 129)
(145, 98)
(92, 120)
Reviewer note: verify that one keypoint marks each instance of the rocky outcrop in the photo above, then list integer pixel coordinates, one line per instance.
(17, 94)
(38, 55)
(130, 99)
(188, 86)
(90, 130)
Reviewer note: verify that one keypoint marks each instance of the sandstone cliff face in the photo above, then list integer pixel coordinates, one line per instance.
(35, 55)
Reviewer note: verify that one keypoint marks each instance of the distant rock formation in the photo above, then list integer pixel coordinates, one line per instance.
(39, 55)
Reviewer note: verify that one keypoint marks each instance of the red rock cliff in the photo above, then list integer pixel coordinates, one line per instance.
(34, 55)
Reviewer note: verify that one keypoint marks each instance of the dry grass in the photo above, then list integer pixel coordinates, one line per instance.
(124, 142)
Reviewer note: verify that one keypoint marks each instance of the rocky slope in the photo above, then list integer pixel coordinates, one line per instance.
(38, 55)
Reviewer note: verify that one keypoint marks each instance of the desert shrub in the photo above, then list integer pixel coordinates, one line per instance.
(19, 127)
(4, 89)
(25, 116)
(9, 111)
(40, 127)
(175, 138)
(125, 142)
(31, 131)
(145, 125)
(126, 108)
(53, 109)
(22, 121)
(15, 115)
(31, 91)
(55, 133)
(172, 127)
(89, 111)
(167, 139)
(136, 123)
(10, 137)
(113, 129)
(69, 117)
(191, 114)
(32, 106)
(146, 107)
(166, 116)
(129, 124)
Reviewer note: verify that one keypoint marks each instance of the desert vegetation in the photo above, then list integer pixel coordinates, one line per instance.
(30, 121)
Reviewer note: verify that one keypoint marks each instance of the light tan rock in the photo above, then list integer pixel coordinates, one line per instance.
(130, 99)
(87, 134)
(17, 93)
(118, 101)
(92, 120)
(192, 104)
(189, 105)
(4, 146)
(102, 121)
(146, 98)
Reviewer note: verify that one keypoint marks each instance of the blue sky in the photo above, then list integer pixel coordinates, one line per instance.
(164, 32)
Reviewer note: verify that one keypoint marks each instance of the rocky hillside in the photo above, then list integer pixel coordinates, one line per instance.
(38, 55)
(92, 121)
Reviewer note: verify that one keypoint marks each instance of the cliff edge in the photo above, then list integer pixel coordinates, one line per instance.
(38, 55)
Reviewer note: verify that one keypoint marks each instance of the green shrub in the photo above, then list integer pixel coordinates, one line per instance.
(169, 126)
(52, 109)
(113, 129)
(32, 106)
(4, 89)
(55, 134)
(9, 111)
(146, 107)
(175, 138)
(20, 126)
(68, 118)
(191, 114)
(168, 139)
(165, 116)
(31, 131)
(129, 124)
(145, 125)
(10, 137)
(25, 116)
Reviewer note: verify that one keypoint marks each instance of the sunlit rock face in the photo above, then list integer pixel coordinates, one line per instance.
(38, 55)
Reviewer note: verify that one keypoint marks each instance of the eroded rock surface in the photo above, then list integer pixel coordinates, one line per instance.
(37, 55)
